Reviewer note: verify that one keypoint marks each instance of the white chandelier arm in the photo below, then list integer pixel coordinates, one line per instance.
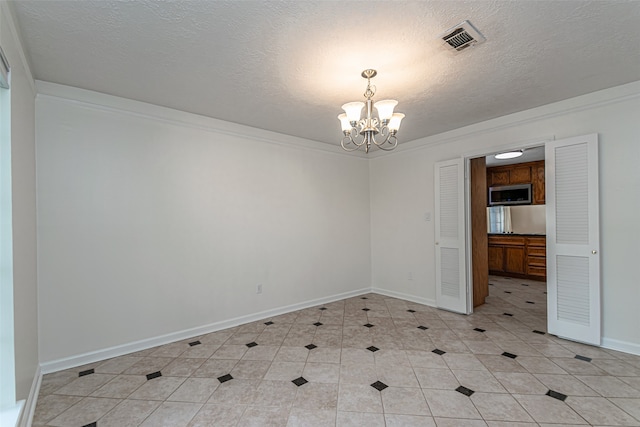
(389, 138)
(348, 137)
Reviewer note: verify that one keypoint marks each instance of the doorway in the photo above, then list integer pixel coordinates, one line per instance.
(572, 238)
(508, 244)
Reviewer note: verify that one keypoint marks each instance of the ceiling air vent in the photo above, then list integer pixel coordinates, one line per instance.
(461, 36)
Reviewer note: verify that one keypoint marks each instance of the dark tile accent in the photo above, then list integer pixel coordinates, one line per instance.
(225, 378)
(252, 344)
(545, 292)
(369, 325)
(479, 329)
(366, 309)
(507, 292)
(556, 395)
(364, 298)
(585, 358)
(530, 302)
(299, 381)
(508, 314)
(411, 311)
(87, 372)
(491, 284)
(509, 355)
(317, 324)
(535, 331)
(154, 375)
(379, 385)
(524, 284)
(465, 391)
(268, 323)
(93, 424)
(322, 308)
(311, 346)
(373, 349)
(438, 351)
(191, 344)
(424, 328)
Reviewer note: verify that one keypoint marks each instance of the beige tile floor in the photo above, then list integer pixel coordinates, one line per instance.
(496, 367)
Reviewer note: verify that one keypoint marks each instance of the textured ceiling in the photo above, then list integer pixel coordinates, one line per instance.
(288, 66)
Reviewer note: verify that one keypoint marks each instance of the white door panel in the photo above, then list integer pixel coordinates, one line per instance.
(450, 236)
(573, 240)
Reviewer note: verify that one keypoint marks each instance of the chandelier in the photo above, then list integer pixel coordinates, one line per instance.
(360, 132)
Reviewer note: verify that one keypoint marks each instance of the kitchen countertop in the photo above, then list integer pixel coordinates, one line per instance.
(518, 234)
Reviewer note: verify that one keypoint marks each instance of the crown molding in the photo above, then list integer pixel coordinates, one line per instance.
(118, 105)
(580, 103)
(7, 10)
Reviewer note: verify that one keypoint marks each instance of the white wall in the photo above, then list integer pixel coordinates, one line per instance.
(402, 192)
(23, 180)
(529, 219)
(153, 221)
(167, 221)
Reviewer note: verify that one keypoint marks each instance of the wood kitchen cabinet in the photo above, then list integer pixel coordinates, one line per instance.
(537, 171)
(496, 258)
(521, 173)
(497, 176)
(517, 256)
(537, 257)
(507, 254)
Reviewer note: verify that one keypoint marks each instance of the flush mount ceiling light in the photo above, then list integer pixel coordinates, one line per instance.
(508, 155)
(362, 132)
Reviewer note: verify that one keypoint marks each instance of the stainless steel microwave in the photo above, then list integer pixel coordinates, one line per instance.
(510, 195)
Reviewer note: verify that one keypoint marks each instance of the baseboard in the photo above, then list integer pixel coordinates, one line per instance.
(108, 353)
(624, 346)
(29, 409)
(407, 297)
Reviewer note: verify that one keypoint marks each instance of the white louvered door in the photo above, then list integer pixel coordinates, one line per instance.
(573, 241)
(450, 238)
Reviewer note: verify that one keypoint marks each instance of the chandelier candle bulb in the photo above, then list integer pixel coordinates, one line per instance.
(344, 121)
(362, 132)
(385, 108)
(394, 123)
(353, 110)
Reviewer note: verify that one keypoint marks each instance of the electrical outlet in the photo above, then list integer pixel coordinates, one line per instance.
(410, 275)
(427, 216)
(259, 288)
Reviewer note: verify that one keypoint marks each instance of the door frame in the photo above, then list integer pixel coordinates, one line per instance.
(467, 156)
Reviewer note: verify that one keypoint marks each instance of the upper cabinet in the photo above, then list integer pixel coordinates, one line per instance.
(521, 173)
(537, 170)
(500, 176)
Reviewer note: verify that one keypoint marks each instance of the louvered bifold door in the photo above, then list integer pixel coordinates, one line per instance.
(573, 241)
(450, 232)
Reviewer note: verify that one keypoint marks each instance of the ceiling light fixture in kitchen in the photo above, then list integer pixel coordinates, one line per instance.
(386, 124)
(509, 155)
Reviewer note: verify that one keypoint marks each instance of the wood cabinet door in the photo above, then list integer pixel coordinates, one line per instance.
(499, 177)
(496, 258)
(520, 175)
(514, 260)
(538, 184)
(536, 266)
